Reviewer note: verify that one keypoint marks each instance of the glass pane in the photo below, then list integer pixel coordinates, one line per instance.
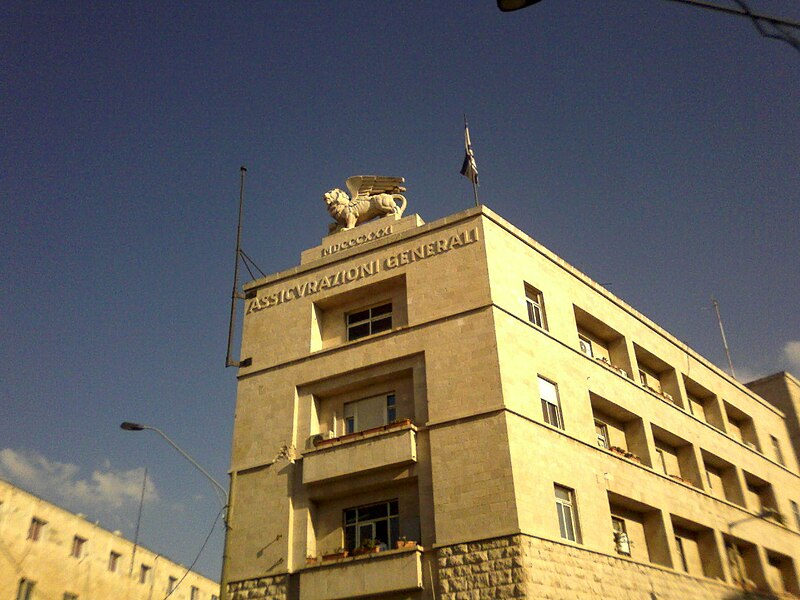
(358, 331)
(382, 310)
(375, 511)
(382, 532)
(350, 537)
(350, 515)
(547, 391)
(394, 531)
(365, 532)
(362, 315)
(563, 493)
(382, 324)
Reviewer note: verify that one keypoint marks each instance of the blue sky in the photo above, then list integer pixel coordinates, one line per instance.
(654, 146)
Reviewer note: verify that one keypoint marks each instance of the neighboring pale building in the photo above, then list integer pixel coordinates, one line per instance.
(782, 390)
(499, 426)
(48, 553)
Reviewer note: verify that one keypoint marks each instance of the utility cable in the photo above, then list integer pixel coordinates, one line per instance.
(196, 558)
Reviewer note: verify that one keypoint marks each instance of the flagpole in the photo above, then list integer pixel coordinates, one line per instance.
(469, 169)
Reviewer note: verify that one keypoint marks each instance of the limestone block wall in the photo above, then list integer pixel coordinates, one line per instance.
(522, 566)
(261, 588)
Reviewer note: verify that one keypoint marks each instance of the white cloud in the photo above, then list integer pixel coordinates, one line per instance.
(106, 489)
(791, 354)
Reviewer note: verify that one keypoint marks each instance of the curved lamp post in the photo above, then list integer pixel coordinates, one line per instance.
(128, 426)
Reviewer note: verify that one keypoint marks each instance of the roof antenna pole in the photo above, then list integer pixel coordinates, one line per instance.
(229, 362)
(138, 522)
(724, 340)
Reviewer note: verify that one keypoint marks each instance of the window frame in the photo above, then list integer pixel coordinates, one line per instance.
(144, 572)
(25, 589)
(78, 545)
(681, 553)
(35, 529)
(370, 321)
(351, 424)
(662, 461)
(194, 593)
(584, 344)
(551, 411)
(776, 449)
(534, 303)
(567, 513)
(796, 511)
(172, 583)
(604, 433)
(621, 530)
(70, 596)
(352, 530)
(113, 561)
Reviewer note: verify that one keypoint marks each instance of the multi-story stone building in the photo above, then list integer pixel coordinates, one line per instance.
(496, 424)
(48, 553)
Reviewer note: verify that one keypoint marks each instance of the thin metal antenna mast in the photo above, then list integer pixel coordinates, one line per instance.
(229, 362)
(724, 340)
(138, 522)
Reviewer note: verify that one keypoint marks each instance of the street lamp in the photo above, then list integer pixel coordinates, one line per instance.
(128, 426)
(777, 28)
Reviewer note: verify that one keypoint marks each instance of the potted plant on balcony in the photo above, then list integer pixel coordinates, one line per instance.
(631, 456)
(618, 450)
(338, 554)
(311, 560)
(368, 546)
(404, 542)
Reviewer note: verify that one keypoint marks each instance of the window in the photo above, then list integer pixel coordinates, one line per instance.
(194, 594)
(78, 544)
(642, 377)
(776, 448)
(25, 590)
(35, 530)
(621, 542)
(144, 573)
(601, 429)
(551, 408)
(366, 322)
(171, 583)
(662, 461)
(796, 511)
(535, 303)
(70, 596)
(681, 554)
(585, 345)
(567, 517)
(369, 413)
(379, 522)
(113, 561)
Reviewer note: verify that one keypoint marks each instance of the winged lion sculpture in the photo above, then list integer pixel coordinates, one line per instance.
(371, 196)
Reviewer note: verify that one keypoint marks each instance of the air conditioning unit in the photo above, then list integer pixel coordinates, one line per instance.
(585, 347)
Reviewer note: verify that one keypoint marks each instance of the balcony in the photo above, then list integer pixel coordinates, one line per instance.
(360, 577)
(392, 445)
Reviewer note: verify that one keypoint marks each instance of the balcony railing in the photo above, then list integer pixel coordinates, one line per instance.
(388, 446)
(366, 576)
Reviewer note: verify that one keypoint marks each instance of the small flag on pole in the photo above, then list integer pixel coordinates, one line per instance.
(469, 169)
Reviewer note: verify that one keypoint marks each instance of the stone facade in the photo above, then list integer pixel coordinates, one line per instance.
(440, 383)
(47, 552)
(262, 588)
(523, 566)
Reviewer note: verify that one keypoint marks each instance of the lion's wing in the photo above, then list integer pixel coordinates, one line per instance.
(369, 185)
